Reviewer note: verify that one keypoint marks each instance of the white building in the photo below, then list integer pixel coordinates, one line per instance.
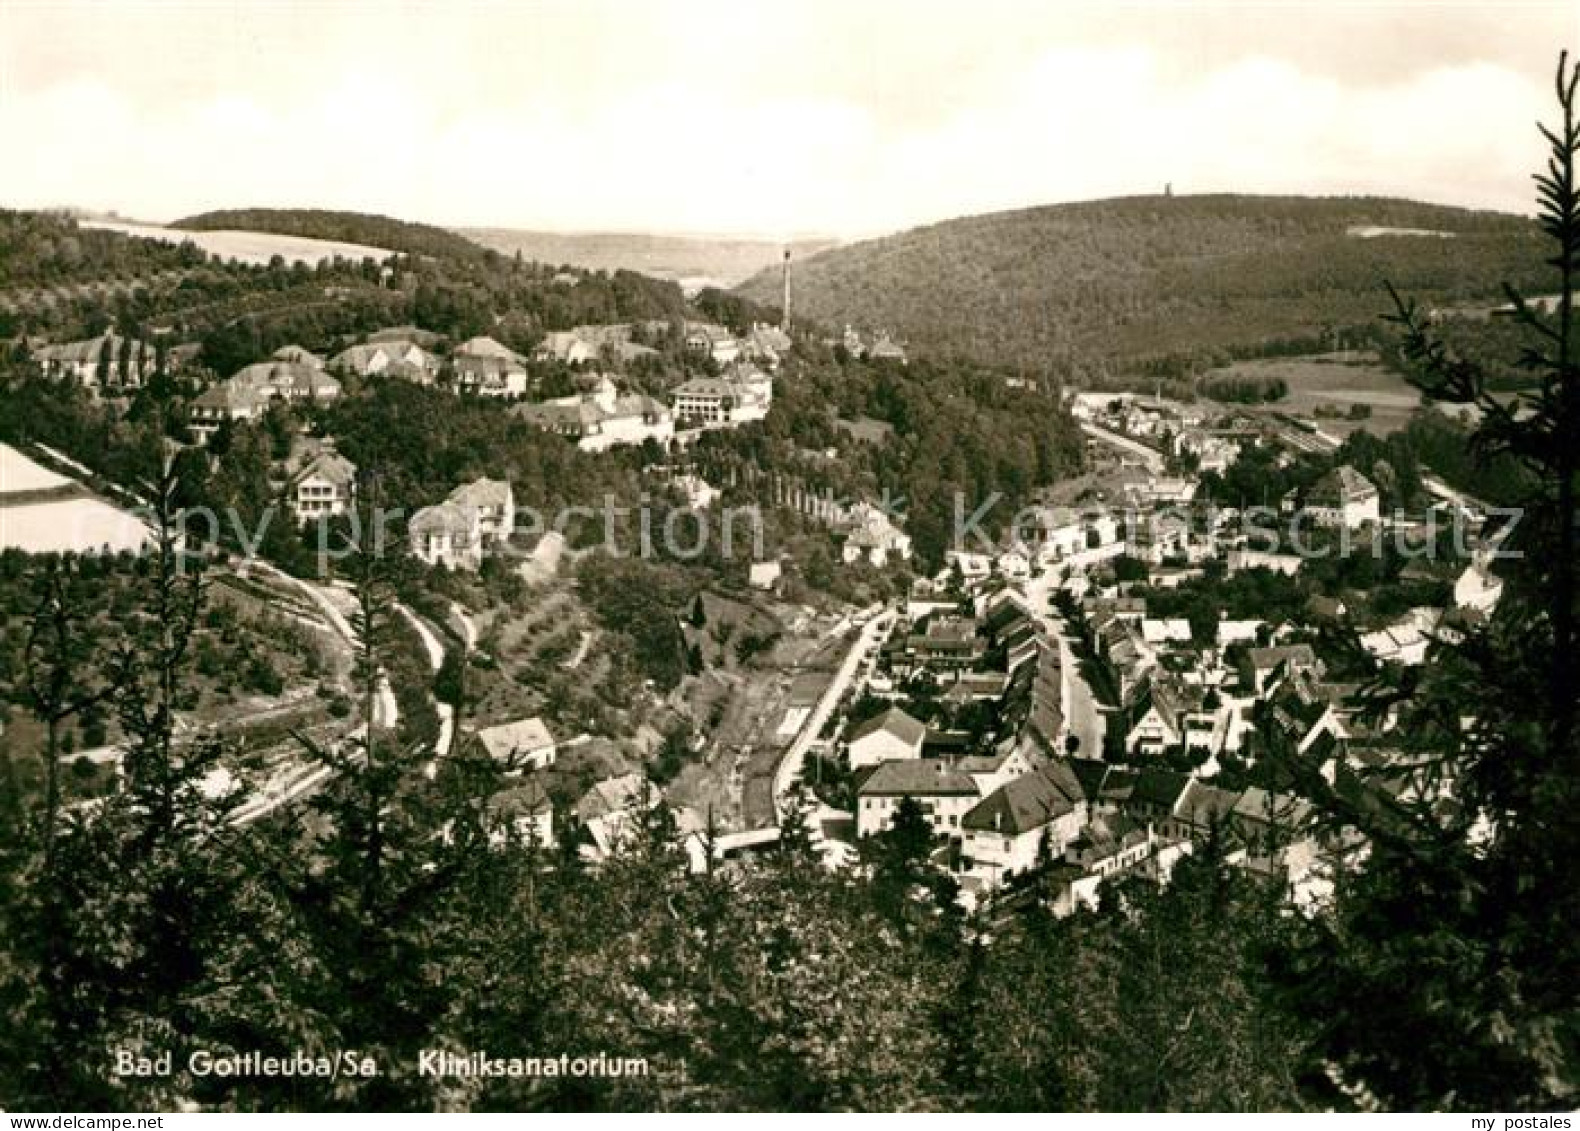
(323, 488)
(603, 419)
(891, 736)
(945, 795)
(521, 745)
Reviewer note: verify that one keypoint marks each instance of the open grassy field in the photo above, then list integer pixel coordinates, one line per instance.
(248, 247)
(1332, 383)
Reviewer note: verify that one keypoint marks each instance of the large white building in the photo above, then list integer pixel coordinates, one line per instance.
(944, 793)
(603, 419)
(741, 396)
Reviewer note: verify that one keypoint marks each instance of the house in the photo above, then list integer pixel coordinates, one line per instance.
(1407, 640)
(706, 339)
(608, 811)
(489, 376)
(888, 737)
(1110, 844)
(566, 347)
(447, 535)
(224, 402)
(602, 419)
(1160, 712)
(1344, 497)
(488, 347)
(494, 503)
(1265, 666)
(286, 380)
(396, 358)
(523, 744)
(1173, 630)
(1265, 823)
(324, 487)
(972, 567)
(946, 643)
(527, 811)
(455, 533)
(766, 343)
(108, 361)
(870, 536)
(944, 793)
(995, 770)
(737, 398)
(1041, 811)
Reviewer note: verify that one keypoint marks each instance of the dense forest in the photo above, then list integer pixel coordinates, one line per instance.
(1173, 283)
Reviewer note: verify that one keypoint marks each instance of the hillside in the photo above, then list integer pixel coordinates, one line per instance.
(343, 227)
(1159, 284)
(692, 261)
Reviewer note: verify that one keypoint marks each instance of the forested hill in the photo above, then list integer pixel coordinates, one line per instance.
(1159, 283)
(348, 227)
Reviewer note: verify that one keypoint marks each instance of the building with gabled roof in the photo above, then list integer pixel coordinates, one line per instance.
(1344, 497)
(447, 535)
(1004, 832)
(604, 418)
(887, 737)
(526, 808)
(325, 486)
(943, 792)
(519, 745)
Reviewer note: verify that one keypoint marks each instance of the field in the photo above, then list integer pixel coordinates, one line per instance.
(1325, 384)
(53, 517)
(248, 247)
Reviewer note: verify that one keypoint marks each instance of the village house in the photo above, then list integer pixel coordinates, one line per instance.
(603, 419)
(395, 358)
(945, 795)
(446, 535)
(247, 394)
(487, 376)
(566, 347)
(891, 736)
(323, 488)
(764, 575)
(608, 814)
(1343, 497)
(108, 361)
(707, 339)
(1038, 812)
(870, 536)
(1264, 667)
(223, 402)
(297, 355)
(455, 533)
(995, 770)
(520, 745)
(528, 812)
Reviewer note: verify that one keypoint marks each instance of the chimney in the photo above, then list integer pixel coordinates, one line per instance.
(784, 319)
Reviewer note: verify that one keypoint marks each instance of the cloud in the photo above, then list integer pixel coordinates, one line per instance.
(750, 128)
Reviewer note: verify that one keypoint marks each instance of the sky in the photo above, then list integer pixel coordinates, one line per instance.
(764, 117)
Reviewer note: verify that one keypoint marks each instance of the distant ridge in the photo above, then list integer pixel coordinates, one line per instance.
(402, 236)
(1122, 284)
